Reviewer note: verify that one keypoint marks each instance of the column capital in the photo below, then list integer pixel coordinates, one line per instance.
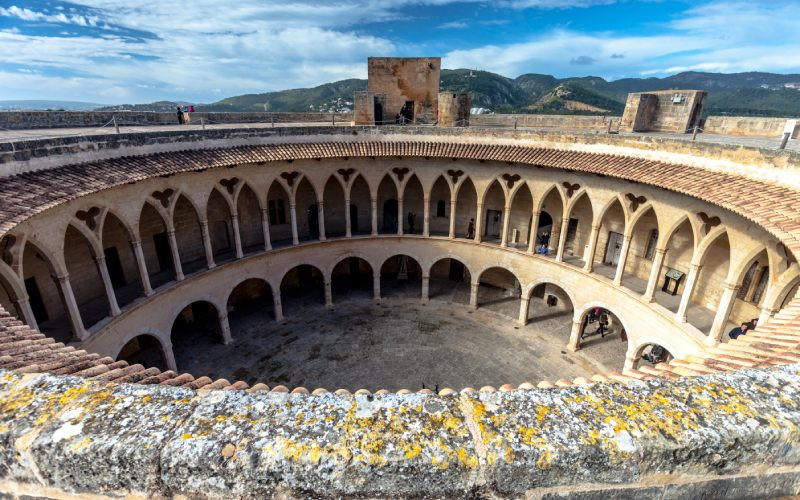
(136, 242)
(234, 215)
(61, 277)
(596, 227)
(171, 232)
(100, 259)
(203, 222)
(732, 286)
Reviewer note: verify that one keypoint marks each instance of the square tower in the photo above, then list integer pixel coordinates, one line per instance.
(410, 86)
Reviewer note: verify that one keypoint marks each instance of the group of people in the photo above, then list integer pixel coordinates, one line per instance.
(543, 241)
(600, 316)
(183, 113)
(743, 329)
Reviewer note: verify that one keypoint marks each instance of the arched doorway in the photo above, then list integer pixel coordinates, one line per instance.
(360, 207)
(413, 206)
(550, 309)
(466, 203)
(145, 350)
(351, 279)
(439, 219)
(251, 228)
(401, 276)
(494, 201)
(302, 287)
(120, 260)
(220, 228)
(189, 236)
(387, 206)
(280, 226)
(519, 219)
(651, 355)
(87, 283)
(601, 336)
(449, 281)
(250, 304)
(196, 333)
(499, 291)
(44, 295)
(579, 228)
(306, 200)
(156, 247)
(333, 195)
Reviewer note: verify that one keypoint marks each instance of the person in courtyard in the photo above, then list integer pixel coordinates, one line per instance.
(471, 229)
(412, 217)
(543, 249)
(739, 331)
(180, 115)
(602, 324)
(656, 355)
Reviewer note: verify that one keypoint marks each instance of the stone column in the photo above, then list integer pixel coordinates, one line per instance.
(113, 306)
(237, 236)
(506, 217)
(723, 312)
(293, 216)
(532, 232)
(562, 240)
(766, 314)
(347, 224)
(265, 228)
(452, 234)
(575, 335)
(524, 302)
(321, 220)
(169, 357)
(473, 295)
(328, 295)
(374, 203)
(225, 327)
(400, 216)
(376, 287)
(630, 360)
(479, 222)
(688, 288)
(655, 273)
(176, 256)
(276, 304)
(207, 244)
(71, 307)
(588, 266)
(426, 282)
(623, 257)
(426, 216)
(23, 306)
(141, 265)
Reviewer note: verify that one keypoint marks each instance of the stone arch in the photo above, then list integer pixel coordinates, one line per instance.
(645, 348)
(580, 217)
(352, 276)
(335, 207)
(279, 201)
(147, 349)
(219, 217)
(607, 251)
(39, 272)
(251, 299)
(494, 200)
(413, 203)
(679, 243)
(714, 257)
(198, 327)
(156, 247)
(401, 276)
(440, 207)
(307, 205)
(520, 217)
(360, 206)
(499, 290)
(466, 196)
(551, 213)
(450, 279)
(188, 235)
(302, 285)
(81, 260)
(753, 275)
(251, 229)
(116, 240)
(388, 215)
(541, 289)
(588, 336)
(644, 234)
(11, 292)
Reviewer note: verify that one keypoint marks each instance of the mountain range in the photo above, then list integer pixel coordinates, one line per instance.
(741, 94)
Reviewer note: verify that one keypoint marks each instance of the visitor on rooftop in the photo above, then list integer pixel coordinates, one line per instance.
(180, 115)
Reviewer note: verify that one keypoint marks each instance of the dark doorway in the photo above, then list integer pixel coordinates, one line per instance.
(572, 231)
(114, 266)
(390, 215)
(353, 219)
(492, 227)
(378, 114)
(313, 221)
(456, 270)
(35, 299)
(163, 252)
(409, 111)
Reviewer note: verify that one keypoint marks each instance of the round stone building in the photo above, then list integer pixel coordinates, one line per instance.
(397, 311)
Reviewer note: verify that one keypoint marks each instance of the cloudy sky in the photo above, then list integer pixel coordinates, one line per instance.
(131, 51)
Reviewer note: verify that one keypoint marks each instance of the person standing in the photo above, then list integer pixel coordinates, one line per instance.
(180, 115)
(471, 229)
(411, 218)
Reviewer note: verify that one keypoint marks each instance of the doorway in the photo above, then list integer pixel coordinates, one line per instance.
(353, 219)
(409, 111)
(493, 223)
(114, 266)
(35, 300)
(613, 248)
(313, 221)
(456, 271)
(378, 114)
(163, 252)
(390, 216)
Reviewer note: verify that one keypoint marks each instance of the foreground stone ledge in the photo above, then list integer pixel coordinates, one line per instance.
(733, 432)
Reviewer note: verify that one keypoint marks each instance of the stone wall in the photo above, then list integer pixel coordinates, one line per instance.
(20, 120)
(663, 111)
(748, 126)
(561, 122)
(731, 435)
(454, 109)
(406, 79)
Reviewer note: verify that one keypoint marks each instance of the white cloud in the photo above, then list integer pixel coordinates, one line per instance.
(453, 25)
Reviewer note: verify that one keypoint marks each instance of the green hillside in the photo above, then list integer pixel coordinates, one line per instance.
(753, 93)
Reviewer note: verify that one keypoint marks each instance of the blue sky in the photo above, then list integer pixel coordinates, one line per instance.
(115, 51)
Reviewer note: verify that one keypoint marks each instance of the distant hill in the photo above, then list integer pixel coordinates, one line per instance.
(42, 105)
(746, 94)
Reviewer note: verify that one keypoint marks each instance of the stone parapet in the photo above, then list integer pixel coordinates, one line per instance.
(735, 432)
(22, 120)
